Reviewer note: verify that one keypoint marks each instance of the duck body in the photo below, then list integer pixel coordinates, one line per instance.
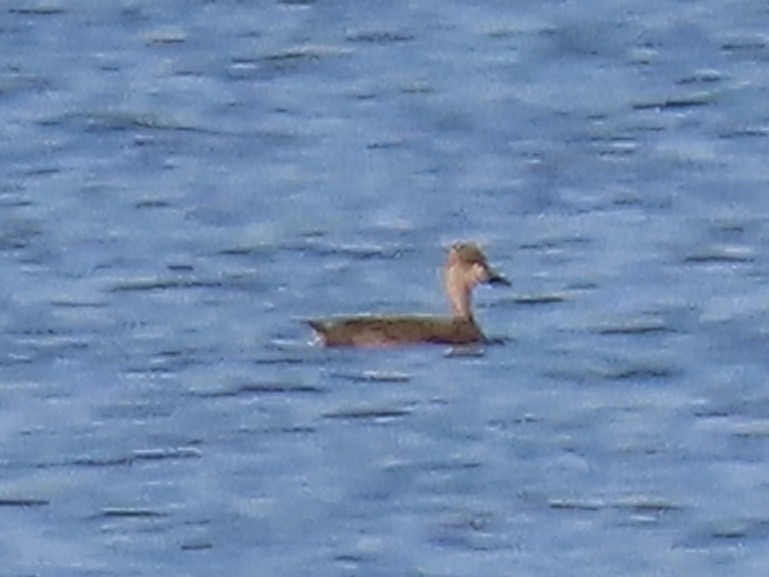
(372, 331)
(465, 268)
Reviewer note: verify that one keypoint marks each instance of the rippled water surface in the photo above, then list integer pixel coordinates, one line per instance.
(184, 182)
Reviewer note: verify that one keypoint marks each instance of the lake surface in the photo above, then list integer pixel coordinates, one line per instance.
(184, 182)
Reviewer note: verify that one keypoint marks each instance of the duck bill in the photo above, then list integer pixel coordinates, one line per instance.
(496, 279)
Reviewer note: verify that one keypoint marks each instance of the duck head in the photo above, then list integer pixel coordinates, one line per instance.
(466, 268)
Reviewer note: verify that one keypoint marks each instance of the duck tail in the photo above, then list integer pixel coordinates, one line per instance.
(321, 332)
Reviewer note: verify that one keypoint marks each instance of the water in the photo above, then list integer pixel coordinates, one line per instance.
(184, 182)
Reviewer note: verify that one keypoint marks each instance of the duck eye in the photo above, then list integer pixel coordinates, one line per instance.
(480, 271)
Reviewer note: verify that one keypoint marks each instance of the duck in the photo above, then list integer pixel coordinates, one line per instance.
(466, 267)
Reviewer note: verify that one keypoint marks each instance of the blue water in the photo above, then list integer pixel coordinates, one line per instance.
(183, 182)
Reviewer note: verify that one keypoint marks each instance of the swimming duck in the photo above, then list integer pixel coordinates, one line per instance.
(466, 267)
